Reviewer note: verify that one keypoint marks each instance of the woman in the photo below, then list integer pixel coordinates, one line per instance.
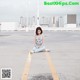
(39, 42)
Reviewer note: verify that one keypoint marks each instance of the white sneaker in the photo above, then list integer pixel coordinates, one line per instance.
(31, 52)
(47, 50)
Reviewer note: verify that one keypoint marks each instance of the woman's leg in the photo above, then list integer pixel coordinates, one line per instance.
(41, 49)
(35, 50)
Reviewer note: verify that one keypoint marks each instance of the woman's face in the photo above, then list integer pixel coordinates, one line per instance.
(39, 32)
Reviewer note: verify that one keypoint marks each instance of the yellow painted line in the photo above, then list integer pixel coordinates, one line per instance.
(52, 68)
(27, 67)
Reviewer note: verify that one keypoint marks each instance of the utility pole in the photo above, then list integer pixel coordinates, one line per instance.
(38, 15)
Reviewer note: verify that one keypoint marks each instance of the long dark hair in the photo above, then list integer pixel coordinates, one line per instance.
(39, 28)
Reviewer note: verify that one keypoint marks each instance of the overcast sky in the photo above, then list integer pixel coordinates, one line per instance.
(11, 10)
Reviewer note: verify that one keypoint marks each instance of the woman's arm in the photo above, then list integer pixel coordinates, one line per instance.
(42, 39)
(34, 39)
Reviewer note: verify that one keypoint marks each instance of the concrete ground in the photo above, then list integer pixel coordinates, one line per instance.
(65, 54)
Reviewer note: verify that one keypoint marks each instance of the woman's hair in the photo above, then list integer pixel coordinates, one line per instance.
(38, 28)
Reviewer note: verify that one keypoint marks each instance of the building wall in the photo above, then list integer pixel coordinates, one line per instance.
(9, 25)
(78, 20)
(71, 19)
